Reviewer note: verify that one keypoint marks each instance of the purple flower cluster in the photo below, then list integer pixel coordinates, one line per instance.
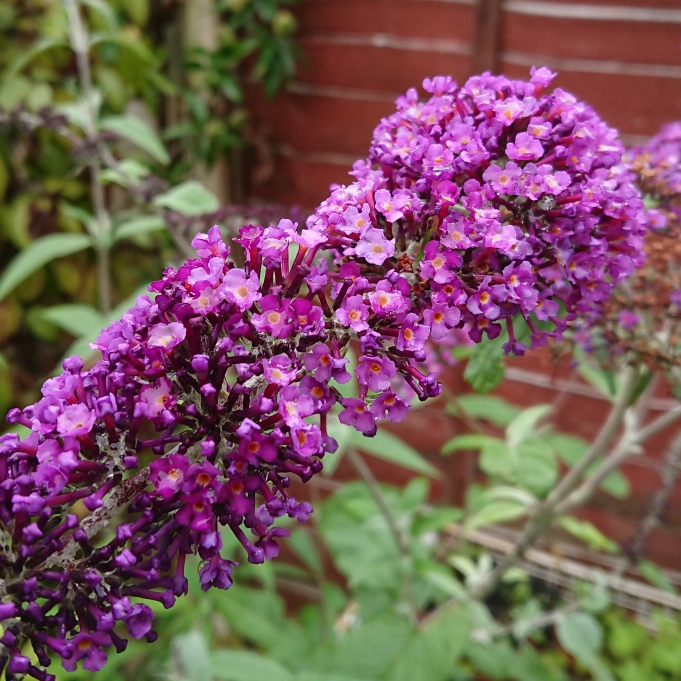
(494, 201)
(658, 168)
(485, 202)
(641, 322)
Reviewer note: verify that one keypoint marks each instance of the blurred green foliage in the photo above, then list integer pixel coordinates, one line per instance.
(146, 74)
(334, 609)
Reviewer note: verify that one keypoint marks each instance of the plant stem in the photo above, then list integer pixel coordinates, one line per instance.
(400, 537)
(603, 439)
(631, 441)
(80, 44)
(670, 474)
(546, 511)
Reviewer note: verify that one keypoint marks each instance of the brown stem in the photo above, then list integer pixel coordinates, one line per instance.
(118, 499)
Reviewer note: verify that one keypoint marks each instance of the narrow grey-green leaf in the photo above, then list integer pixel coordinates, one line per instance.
(485, 369)
(188, 198)
(386, 446)
(81, 347)
(191, 657)
(486, 407)
(75, 318)
(468, 441)
(588, 533)
(245, 665)
(434, 650)
(582, 636)
(655, 576)
(138, 226)
(26, 56)
(524, 425)
(496, 512)
(303, 546)
(127, 172)
(37, 254)
(139, 133)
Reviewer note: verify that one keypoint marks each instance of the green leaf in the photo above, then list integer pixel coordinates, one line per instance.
(593, 597)
(78, 214)
(581, 635)
(655, 576)
(617, 485)
(497, 458)
(578, 631)
(370, 650)
(188, 198)
(434, 650)
(138, 226)
(485, 369)
(139, 133)
(258, 616)
(588, 533)
(75, 318)
(37, 254)
(604, 381)
(496, 512)
(104, 10)
(435, 519)
(486, 407)
(386, 446)
(192, 657)
(128, 172)
(446, 583)
(26, 56)
(571, 449)
(536, 468)
(81, 347)
(504, 492)
(245, 665)
(466, 442)
(524, 425)
(302, 545)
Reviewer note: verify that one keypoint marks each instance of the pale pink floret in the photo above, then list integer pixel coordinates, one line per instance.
(166, 335)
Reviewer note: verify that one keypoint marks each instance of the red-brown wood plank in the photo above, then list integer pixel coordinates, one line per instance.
(377, 68)
(426, 18)
(321, 124)
(625, 41)
(302, 183)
